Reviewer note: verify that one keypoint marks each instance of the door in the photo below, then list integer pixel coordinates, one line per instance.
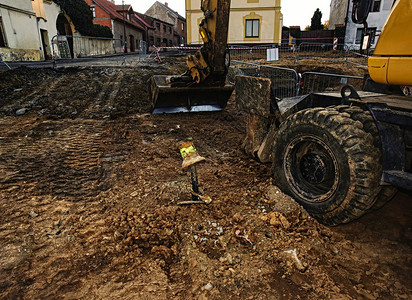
(132, 43)
(45, 44)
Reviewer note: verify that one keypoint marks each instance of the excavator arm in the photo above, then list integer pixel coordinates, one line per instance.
(208, 64)
(203, 87)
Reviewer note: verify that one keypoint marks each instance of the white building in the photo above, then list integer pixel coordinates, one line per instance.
(47, 13)
(19, 34)
(341, 10)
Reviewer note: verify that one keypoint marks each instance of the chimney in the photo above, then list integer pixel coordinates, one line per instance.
(167, 4)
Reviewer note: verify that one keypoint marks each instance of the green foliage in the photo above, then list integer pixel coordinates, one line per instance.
(316, 21)
(82, 18)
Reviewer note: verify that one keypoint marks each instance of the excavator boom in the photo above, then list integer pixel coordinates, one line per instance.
(203, 87)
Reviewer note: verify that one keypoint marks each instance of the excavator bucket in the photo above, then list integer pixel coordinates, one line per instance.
(194, 98)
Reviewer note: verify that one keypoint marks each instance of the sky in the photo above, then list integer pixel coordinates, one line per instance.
(295, 12)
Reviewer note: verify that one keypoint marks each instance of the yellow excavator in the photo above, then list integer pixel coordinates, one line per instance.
(340, 154)
(203, 87)
(337, 154)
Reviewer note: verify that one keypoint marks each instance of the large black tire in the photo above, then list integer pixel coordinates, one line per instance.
(356, 113)
(328, 163)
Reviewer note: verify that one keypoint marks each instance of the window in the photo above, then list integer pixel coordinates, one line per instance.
(371, 31)
(183, 26)
(158, 26)
(252, 28)
(170, 29)
(2, 35)
(158, 42)
(164, 28)
(358, 36)
(376, 6)
(93, 10)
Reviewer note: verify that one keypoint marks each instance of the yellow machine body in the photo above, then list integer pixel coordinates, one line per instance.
(391, 62)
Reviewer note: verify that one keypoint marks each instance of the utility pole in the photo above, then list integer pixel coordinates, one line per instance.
(124, 31)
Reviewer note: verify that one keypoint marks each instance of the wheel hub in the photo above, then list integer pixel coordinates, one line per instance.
(313, 168)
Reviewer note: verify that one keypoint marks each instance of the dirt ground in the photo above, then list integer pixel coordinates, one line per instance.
(89, 186)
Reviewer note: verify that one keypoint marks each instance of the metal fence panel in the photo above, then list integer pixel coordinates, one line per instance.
(65, 46)
(285, 81)
(313, 82)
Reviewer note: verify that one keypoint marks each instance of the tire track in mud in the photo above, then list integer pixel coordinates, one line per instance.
(50, 178)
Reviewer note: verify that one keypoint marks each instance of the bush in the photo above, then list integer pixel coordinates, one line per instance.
(82, 18)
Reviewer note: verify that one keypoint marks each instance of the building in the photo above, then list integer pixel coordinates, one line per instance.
(120, 20)
(52, 22)
(149, 29)
(251, 22)
(19, 37)
(160, 32)
(164, 13)
(340, 16)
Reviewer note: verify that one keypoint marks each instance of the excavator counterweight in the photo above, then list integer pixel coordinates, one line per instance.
(203, 87)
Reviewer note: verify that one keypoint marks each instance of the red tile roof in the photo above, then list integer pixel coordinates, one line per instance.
(143, 21)
(112, 10)
(120, 7)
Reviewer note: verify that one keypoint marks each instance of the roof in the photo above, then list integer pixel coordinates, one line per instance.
(171, 10)
(143, 16)
(115, 13)
(120, 7)
(143, 21)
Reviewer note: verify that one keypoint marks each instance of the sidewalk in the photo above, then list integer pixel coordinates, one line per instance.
(129, 59)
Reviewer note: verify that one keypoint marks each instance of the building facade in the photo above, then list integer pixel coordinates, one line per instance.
(251, 22)
(164, 13)
(120, 20)
(19, 37)
(51, 22)
(160, 33)
(340, 15)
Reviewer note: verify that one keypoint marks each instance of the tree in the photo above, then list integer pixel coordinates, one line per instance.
(316, 21)
(82, 18)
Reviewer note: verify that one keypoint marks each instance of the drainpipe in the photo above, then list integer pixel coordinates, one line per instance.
(124, 30)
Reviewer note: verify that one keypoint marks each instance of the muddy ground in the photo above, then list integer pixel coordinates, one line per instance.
(89, 186)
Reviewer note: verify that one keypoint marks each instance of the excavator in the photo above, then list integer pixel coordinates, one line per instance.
(338, 154)
(203, 87)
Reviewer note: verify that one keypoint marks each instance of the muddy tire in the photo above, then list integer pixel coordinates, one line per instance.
(356, 113)
(328, 163)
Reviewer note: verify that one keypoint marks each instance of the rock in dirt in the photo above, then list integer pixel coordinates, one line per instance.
(283, 203)
(33, 214)
(21, 111)
(276, 219)
(208, 287)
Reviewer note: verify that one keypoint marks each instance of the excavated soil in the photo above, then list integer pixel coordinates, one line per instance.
(89, 186)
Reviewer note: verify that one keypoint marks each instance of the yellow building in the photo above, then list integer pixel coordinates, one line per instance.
(251, 22)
